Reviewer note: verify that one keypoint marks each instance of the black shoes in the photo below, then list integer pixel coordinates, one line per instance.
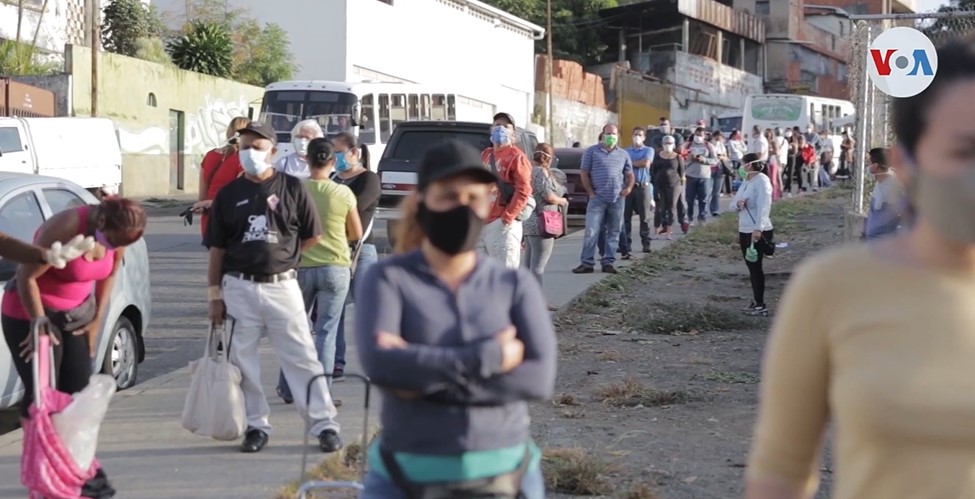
(98, 487)
(609, 269)
(582, 269)
(254, 441)
(329, 441)
(646, 248)
(756, 309)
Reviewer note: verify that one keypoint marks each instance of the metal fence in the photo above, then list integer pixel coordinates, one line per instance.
(873, 107)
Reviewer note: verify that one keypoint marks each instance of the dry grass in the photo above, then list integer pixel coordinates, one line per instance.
(641, 491)
(346, 465)
(576, 471)
(630, 392)
(678, 318)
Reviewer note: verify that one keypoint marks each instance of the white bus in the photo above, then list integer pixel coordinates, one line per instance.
(788, 110)
(370, 110)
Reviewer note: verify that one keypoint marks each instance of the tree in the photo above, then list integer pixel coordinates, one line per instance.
(152, 49)
(575, 25)
(205, 48)
(125, 22)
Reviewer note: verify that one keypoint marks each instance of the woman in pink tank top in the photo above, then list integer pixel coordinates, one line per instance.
(69, 303)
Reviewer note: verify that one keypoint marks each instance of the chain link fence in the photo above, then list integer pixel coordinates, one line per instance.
(874, 127)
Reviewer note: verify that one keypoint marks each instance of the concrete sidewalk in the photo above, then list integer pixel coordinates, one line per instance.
(148, 455)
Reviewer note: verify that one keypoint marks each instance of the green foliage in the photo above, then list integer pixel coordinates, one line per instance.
(205, 48)
(125, 22)
(576, 33)
(942, 30)
(21, 59)
(152, 49)
(261, 53)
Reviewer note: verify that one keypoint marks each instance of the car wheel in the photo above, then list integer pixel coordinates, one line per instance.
(122, 357)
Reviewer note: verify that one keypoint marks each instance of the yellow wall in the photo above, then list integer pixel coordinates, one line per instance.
(640, 102)
(127, 90)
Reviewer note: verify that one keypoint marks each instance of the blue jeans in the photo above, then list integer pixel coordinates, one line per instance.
(598, 214)
(380, 487)
(367, 256)
(697, 189)
(327, 288)
(717, 180)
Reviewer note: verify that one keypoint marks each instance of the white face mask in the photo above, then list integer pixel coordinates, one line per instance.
(301, 146)
(788, 135)
(638, 139)
(668, 147)
(254, 161)
(698, 139)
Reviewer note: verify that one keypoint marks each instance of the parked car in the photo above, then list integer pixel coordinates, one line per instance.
(411, 139)
(26, 201)
(570, 163)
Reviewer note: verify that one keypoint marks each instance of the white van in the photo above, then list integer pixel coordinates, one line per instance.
(83, 150)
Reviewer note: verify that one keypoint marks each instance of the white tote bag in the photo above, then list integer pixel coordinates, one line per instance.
(214, 405)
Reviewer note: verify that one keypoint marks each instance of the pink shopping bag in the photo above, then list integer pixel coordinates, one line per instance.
(46, 467)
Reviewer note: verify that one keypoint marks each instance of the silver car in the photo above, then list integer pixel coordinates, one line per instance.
(26, 201)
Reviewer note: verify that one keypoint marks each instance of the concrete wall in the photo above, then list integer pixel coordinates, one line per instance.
(705, 88)
(575, 121)
(139, 96)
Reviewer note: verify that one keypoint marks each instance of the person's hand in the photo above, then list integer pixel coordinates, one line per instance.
(218, 312)
(626, 191)
(512, 349)
(201, 206)
(90, 330)
(756, 236)
(741, 203)
(390, 341)
(42, 325)
(59, 254)
(591, 193)
(563, 201)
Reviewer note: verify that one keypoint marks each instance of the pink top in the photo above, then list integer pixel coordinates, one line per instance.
(64, 289)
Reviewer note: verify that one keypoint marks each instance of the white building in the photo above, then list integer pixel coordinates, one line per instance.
(465, 46)
(61, 23)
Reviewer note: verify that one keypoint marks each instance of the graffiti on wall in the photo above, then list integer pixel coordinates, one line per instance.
(203, 130)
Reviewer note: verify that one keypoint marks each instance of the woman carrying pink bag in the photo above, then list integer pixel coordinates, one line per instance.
(543, 226)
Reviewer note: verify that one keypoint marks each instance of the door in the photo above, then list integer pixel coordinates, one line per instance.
(14, 155)
(20, 216)
(177, 165)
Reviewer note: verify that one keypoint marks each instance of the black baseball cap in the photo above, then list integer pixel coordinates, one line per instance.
(450, 159)
(505, 116)
(260, 129)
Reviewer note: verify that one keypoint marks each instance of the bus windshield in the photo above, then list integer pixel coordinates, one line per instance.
(777, 109)
(283, 109)
(729, 123)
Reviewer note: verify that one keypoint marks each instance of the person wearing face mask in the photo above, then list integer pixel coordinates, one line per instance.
(218, 168)
(353, 170)
(701, 158)
(826, 169)
(513, 201)
(847, 146)
(887, 201)
(718, 172)
(667, 172)
(325, 270)
(549, 193)
(296, 163)
(736, 149)
(874, 342)
(259, 226)
(640, 201)
(607, 177)
(666, 129)
(754, 204)
(455, 384)
(812, 138)
(70, 303)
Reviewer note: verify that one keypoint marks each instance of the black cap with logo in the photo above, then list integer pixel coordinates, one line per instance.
(452, 158)
(260, 129)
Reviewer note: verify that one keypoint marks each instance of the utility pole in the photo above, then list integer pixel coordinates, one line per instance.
(95, 23)
(548, 74)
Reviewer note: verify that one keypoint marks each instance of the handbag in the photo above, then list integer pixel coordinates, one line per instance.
(47, 468)
(503, 486)
(552, 222)
(214, 404)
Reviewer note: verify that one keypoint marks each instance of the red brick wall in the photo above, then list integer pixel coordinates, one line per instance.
(571, 82)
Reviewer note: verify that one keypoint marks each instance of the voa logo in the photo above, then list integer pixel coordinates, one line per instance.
(902, 62)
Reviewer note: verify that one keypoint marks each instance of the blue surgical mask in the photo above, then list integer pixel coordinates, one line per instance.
(254, 161)
(499, 135)
(341, 164)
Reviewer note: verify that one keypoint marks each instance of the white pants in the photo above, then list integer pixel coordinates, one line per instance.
(276, 310)
(503, 242)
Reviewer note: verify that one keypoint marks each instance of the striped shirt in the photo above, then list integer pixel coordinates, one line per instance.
(606, 169)
(642, 175)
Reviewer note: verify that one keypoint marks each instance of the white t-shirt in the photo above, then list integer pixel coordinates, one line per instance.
(759, 146)
(782, 150)
(293, 165)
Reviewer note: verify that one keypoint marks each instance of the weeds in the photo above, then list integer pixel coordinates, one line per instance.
(641, 491)
(575, 471)
(676, 318)
(346, 465)
(731, 378)
(631, 393)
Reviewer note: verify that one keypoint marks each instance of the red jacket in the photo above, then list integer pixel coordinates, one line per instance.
(514, 168)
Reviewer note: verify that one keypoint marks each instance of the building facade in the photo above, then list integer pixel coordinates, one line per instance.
(61, 23)
(467, 47)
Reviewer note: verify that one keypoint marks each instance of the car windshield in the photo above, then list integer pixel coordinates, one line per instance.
(412, 144)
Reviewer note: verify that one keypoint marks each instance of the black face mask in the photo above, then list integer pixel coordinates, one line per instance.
(453, 231)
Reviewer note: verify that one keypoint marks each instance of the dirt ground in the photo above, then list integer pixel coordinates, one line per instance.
(659, 367)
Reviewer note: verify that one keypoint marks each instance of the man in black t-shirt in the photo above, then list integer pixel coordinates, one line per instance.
(259, 224)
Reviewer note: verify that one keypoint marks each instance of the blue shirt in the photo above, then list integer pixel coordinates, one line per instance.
(606, 170)
(642, 175)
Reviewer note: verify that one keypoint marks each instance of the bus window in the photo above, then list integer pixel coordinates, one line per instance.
(812, 114)
(451, 108)
(367, 129)
(425, 107)
(384, 127)
(414, 107)
(397, 109)
(439, 108)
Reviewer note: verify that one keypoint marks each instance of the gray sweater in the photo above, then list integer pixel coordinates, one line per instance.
(452, 359)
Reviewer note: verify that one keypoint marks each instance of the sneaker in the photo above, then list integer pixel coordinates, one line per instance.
(715, 214)
(626, 256)
(609, 269)
(750, 307)
(254, 441)
(338, 375)
(329, 441)
(646, 248)
(583, 269)
(759, 310)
